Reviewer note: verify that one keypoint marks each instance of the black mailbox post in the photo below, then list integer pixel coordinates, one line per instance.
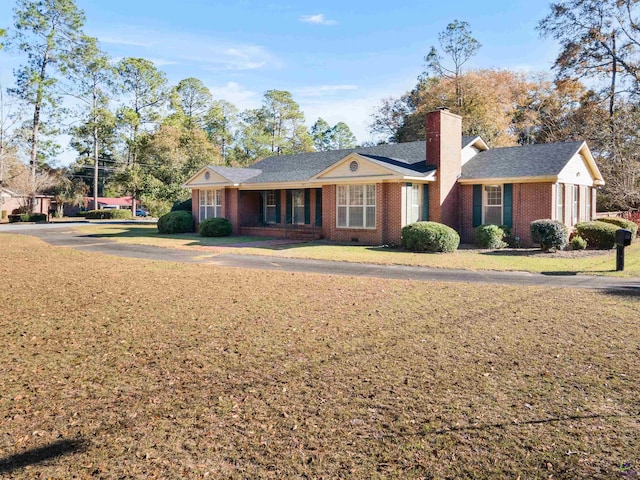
(623, 239)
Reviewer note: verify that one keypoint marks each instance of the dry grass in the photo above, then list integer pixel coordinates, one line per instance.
(120, 368)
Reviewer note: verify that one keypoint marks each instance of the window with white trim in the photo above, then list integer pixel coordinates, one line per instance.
(576, 202)
(356, 205)
(270, 206)
(492, 205)
(210, 204)
(414, 203)
(587, 213)
(560, 202)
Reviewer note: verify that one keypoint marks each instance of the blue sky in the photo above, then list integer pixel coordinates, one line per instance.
(338, 58)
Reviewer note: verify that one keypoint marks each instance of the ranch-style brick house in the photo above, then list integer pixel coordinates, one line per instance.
(366, 195)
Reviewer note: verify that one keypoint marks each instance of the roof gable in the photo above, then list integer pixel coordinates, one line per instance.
(540, 161)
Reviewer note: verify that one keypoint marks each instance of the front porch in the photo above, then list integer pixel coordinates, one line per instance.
(292, 213)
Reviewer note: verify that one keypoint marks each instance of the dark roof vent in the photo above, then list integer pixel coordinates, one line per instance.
(443, 108)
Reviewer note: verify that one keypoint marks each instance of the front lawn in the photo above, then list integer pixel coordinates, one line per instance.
(591, 262)
(125, 368)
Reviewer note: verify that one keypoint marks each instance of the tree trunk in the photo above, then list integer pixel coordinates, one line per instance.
(95, 149)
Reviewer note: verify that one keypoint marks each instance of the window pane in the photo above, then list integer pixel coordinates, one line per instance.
(201, 197)
(202, 213)
(492, 215)
(371, 194)
(356, 195)
(371, 217)
(494, 195)
(356, 217)
(342, 216)
(342, 195)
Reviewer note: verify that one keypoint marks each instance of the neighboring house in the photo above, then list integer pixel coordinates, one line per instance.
(366, 195)
(11, 201)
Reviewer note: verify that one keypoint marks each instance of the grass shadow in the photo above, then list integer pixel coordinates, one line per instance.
(41, 454)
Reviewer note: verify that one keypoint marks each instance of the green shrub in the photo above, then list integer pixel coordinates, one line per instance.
(178, 221)
(578, 243)
(490, 236)
(185, 205)
(550, 234)
(27, 217)
(108, 214)
(622, 223)
(600, 235)
(215, 227)
(429, 237)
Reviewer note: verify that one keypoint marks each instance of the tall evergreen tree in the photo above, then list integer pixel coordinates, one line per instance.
(44, 30)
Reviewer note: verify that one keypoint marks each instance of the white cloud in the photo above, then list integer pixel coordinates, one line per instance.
(317, 19)
(323, 90)
(235, 93)
(124, 41)
(183, 47)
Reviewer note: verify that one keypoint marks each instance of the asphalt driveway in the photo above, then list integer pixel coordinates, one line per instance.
(63, 235)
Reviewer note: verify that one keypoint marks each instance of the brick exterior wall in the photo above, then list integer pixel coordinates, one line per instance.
(531, 201)
(444, 138)
(230, 208)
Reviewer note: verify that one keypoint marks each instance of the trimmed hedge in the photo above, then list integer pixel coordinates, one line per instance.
(185, 205)
(215, 227)
(578, 243)
(27, 217)
(622, 223)
(178, 221)
(108, 214)
(430, 237)
(549, 234)
(490, 236)
(600, 235)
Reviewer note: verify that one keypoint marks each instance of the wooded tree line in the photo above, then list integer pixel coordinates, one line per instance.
(133, 132)
(593, 95)
(136, 134)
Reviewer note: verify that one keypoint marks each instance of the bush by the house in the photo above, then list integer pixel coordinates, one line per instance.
(430, 237)
(622, 223)
(490, 236)
(549, 234)
(215, 227)
(185, 205)
(114, 214)
(598, 234)
(179, 221)
(27, 217)
(633, 216)
(578, 243)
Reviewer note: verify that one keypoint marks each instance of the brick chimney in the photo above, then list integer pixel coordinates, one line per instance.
(444, 150)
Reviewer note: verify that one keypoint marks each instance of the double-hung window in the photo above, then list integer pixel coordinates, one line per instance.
(492, 214)
(560, 202)
(356, 206)
(210, 204)
(576, 202)
(587, 213)
(414, 203)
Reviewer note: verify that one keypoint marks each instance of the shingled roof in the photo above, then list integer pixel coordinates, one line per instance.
(541, 160)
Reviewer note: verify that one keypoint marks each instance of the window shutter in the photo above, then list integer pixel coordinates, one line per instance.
(318, 207)
(425, 202)
(289, 207)
(278, 202)
(307, 206)
(507, 205)
(477, 205)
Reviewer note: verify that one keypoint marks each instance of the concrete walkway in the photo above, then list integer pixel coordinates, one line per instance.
(63, 235)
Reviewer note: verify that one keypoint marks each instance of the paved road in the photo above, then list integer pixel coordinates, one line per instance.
(63, 235)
